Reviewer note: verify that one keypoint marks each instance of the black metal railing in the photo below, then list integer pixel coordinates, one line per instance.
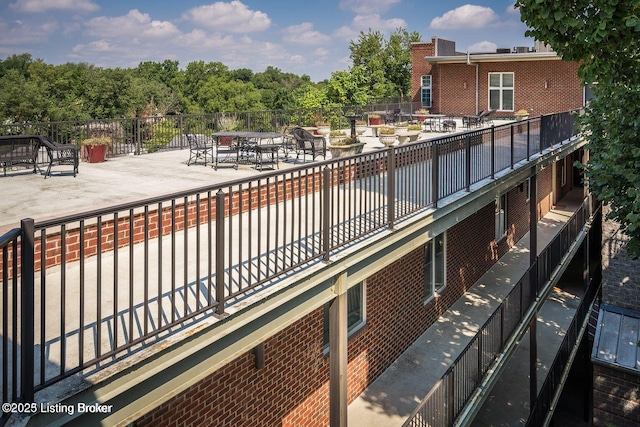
(448, 397)
(109, 281)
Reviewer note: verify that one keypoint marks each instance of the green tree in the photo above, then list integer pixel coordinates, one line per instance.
(604, 36)
(386, 62)
(348, 87)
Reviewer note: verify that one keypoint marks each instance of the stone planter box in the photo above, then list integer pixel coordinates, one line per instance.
(338, 151)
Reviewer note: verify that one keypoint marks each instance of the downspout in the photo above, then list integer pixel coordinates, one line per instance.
(477, 81)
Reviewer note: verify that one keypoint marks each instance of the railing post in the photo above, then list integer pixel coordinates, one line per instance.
(27, 315)
(493, 152)
(528, 139)
(451, 397)
(511, 146)
(468, 161)
(391, 190)
(326, 212)
(220, 246)
(138, 136)
(435, 169)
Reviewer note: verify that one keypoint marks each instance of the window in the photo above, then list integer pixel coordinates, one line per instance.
(355, 312)
(435, 266)
(501, 91)
(425, 91)
(501, 217)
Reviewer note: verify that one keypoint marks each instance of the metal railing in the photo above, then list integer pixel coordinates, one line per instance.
(109, 281)
(448, 397)
(138, 135)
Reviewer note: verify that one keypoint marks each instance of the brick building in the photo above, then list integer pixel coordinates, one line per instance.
(454, 83)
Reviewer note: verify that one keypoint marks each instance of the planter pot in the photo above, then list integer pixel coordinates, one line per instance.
(345, 150)
(334, 139)
(323, 130)
(375, 121)
(96, 153)
(360, 129)
(401, 130)
(409, 136)
(387, 140)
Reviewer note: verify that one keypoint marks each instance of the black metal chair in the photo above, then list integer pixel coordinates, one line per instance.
(307, 143)
(199, 150)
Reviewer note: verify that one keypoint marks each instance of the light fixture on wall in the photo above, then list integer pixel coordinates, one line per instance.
(546, 84)
(464, 84)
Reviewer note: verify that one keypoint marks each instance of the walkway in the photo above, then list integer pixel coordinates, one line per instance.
(391, 399)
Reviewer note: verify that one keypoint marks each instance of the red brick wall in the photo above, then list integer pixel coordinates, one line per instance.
(563, 89)
(616, 397)
(293, 389)
(419, 67)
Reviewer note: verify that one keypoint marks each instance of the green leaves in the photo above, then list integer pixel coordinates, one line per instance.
(603, 36)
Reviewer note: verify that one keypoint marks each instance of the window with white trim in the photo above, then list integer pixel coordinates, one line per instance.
(425, 91)
(356, 319)
(501, 91)
(435, 266)
(501, 216)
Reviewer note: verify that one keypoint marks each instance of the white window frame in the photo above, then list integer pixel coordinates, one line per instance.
(354, 327)
(426, 86)
(500, 89)
(501, 217)
(430, 267)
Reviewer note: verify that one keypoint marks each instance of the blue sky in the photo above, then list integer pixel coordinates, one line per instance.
(295, 36)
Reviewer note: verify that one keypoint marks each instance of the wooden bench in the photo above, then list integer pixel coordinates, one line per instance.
(16, 150)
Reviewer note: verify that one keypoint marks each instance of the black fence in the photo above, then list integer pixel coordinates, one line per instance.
(105, 283)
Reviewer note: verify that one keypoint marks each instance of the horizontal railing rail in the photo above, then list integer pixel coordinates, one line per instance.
(110, 281)
(446, 400)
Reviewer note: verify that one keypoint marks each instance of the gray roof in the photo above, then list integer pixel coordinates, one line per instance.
(617, 342)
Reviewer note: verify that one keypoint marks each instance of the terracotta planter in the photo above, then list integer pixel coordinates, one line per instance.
(345, 150)
(96, 153)
(375, 121)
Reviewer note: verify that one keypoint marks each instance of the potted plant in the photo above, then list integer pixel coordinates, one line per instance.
(96, 148)
(401, 128)
(345, 146)
(521, 114)
(421, 114)
(412, 133)
(361, 127)
(387, 135)
(324, 127)
(335, 135)
(374, 119)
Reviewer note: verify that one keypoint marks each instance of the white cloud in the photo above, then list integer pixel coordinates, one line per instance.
(304, 34)
(233, 17)
(367, 7)
(365, 22)
(467, 16)
(133, 24)
(38, 6)
(483, 46)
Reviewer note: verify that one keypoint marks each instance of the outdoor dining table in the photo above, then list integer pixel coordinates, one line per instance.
(259, 144)
(433, 122)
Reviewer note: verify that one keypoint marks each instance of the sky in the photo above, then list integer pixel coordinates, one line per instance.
(300, 37)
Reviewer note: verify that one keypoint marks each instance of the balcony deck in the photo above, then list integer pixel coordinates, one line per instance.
(115, 182)
(390, 400)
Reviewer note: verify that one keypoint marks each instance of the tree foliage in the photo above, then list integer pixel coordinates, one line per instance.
(387, 63)
(604, 36)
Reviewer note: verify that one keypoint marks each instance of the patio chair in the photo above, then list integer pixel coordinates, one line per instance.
(199, 149)
(473, 120)
(449, 125)
(486, 117)
(307, 143)
(227, 150)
